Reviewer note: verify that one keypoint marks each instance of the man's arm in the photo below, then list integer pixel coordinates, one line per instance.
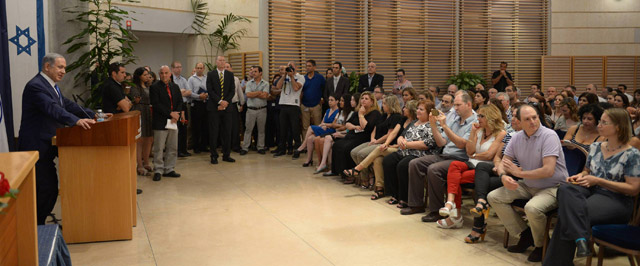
(297, 83)
(459, 141)
(496, 78)
(546, 171)
(509, 79)
(124, 104)
(213, 95)
(48, 105)
(362, 83)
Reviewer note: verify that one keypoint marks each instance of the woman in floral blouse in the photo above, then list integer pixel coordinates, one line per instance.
(601, 194)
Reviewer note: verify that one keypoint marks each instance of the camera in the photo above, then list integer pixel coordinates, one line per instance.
(290, 69)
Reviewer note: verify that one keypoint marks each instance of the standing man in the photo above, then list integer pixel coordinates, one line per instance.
(221, 89)
(199, 121)
(371, 79)
(336, 85)
(185, 91)
(166, 99)
(236, 108)
(44, 109)
(542, 168)
(113, 98)
(291, 86)
(257, 94)
(501, 78)
(311, 96)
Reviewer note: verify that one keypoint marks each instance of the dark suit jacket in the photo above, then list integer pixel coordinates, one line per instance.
(214, 89)
(363, 84)
(42, 114)
(342, 88)
(161, 103)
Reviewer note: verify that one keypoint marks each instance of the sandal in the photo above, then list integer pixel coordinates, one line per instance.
(455, 223)
(142, 171)
(402, 205)
(148, 167)
(392, 201)
(475, 239)
(349, 181)
(477, 212)
(377, 194)
(353, 172)
(444, 211)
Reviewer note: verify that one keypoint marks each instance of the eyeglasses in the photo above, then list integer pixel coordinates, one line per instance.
(604, 123)
(534, 104)
(399, 76)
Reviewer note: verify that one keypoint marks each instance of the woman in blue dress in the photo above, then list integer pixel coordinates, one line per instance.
(326, 127)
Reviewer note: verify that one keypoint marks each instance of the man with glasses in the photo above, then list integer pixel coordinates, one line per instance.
(379, 94)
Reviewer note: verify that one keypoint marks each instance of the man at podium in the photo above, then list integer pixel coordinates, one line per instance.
(44, 109)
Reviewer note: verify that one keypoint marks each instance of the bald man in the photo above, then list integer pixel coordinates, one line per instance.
(370, 80)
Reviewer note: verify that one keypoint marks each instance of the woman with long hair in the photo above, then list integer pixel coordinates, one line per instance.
(620, 101)
(481, 99)
(326, 127)
(556, 114)
(142, 103)
(324, 143)
(587, 98)
(636, 98)
(569, 117)
(408, 94)
(484, 142)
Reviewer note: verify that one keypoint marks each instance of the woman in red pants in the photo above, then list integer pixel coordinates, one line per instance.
(484, 141)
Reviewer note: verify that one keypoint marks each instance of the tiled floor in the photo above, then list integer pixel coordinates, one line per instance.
(266, 211)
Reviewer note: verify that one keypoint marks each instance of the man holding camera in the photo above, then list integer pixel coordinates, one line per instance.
(291, 86)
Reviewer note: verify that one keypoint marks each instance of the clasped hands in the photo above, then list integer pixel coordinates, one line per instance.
(512, 169)
(223, 105)
(583, 180)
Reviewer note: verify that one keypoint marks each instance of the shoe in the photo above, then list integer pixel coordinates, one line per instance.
(526, 240)
(320, 170)
(138, 191)
(536, 255)
(262, 151)
(275, 151)
(157, 177)
(307, 164)
(411, 210)
(172, 174)
(290, 152)
(196, 151)
(329, 174)
(431, 217)
(214, 160)
(352, 173)
(187, 153)
(457, 223)
(243, 152)
(444, 211)
(181, 154)
(478, 212)
(278, 154)
(475, 239)
(582, 248)
(378, 194)
(296, 154)
(228, 159)
(236, 150)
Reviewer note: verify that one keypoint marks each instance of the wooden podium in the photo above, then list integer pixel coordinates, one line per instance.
(98, 179)
(18, 231)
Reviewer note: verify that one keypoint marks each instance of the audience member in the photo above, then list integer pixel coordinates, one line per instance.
(636, 98)
(502, 78)
(542, 168)
(585, 133)
(113, 98)
(481, 98)
(348, 104)
(235, 108)
(379, 94)
(601, 194)
(327, 127)
(535, 88)
(221, 89)
(435, 91)
(166, 99)
(257, 92)
(557, 113)
(504, 98)
(142, 103)
(623, 89)
(199, 116)
(185, 91)
(513, 94)
(587, 98)
(550, 96)
(291, 85)
(408, 94)
(452, 89)
(620, 101)
(479, 87)
(338, 84)
(400, 84)
(312, 90)
(369, 81)
(492, 93)
(569, 117)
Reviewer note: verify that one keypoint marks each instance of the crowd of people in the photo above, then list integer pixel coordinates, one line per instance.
(399, 141)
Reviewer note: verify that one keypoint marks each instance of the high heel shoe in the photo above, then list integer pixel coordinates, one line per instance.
(475, 239)
(307, 164)
(477, 212)
(320, 170)
(457, 223)
(142, 171)
(444, 211)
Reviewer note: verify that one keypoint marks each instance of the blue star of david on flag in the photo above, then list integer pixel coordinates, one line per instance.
(16, 40)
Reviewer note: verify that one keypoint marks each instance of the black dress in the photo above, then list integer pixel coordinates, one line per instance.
(144, 107)
(341, 150)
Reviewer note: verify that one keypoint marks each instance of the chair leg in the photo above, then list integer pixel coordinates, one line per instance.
(600, 255)
(593, 251)
(546, 236)
(505, 241)
(631, 260)
(638, 259)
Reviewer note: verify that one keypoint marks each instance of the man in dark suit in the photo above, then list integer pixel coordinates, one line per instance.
(370, 80)
(337, 85)
(44, 109)
(221, 88)
(113, 98)
(166, 99)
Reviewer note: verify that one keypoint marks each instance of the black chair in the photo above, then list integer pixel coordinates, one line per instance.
(624, 238)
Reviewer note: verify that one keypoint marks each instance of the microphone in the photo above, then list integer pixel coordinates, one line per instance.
(86, 113)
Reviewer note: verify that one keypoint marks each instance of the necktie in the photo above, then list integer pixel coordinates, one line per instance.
(221, 84)
(170, 96)
(59, 94)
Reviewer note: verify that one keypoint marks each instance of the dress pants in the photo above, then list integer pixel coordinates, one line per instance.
(541, 201)
(272, 125)
(311, 116)
(289, 122)
(358, 154)
(220, 125)
(182, 132)
(459, 173)
(485, 180)
(254, 117)
(199, 126)
(376, 157)
(579, 208)
(434, 168)
(340, 154)
(396, 175)
(235, 127)
(165, 146)
(46, 180)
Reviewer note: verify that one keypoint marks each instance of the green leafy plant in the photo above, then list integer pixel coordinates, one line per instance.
(354, 79)
(466, 80)
(107, 38)
(222, 39)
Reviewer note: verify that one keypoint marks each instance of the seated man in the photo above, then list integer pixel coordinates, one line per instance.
(542, 168)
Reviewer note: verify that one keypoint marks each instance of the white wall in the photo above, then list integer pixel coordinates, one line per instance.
(157, 49)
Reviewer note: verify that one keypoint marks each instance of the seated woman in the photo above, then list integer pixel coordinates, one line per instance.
(482, 146)
(481, 98)
(587, 132)
(587, 98)
(326, 127)
(601, 194)
(557, 113)
(359, 130)
(636, 98)
(392, 116)
(324, 143)
(545, 109)
(620, 100)
(611, 96)
(487, 179)
(569, 115)
(425, 95)
(417, 141)
(408, 94)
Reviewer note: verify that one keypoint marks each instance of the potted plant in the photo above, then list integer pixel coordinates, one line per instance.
(466, 80)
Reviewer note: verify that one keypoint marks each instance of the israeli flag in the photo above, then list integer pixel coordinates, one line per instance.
(4, 142)
(26, 29)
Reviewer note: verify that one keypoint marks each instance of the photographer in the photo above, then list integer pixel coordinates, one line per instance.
(291, 86)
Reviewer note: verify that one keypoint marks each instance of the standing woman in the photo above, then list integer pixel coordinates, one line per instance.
(400, 84)
(141, 102)
(601, 194)
(359, 130)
